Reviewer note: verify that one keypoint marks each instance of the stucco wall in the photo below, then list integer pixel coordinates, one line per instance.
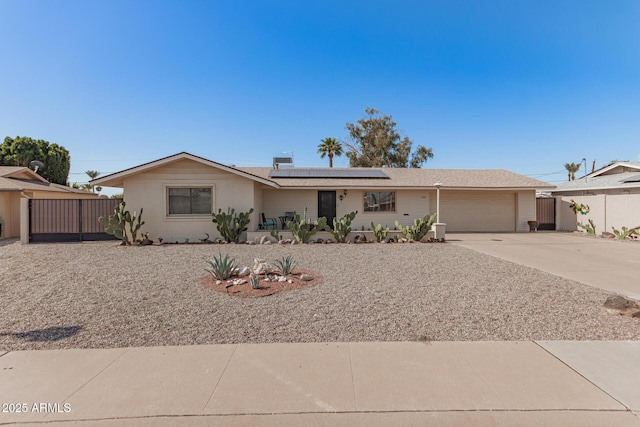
(526, 209)
(606, 211)
(10, 221)
(412, 203)
(148, 190)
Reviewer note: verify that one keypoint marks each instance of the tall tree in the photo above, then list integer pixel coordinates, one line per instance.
(329, 147)
(21, 151)
(93, 175)
(571, 168)
(376, 143)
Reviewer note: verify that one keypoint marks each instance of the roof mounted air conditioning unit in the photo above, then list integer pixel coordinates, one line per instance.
(282, 161)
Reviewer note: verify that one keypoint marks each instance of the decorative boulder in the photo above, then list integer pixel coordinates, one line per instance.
(306, 277)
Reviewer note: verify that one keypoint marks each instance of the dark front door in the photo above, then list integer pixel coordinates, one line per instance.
(327, 206)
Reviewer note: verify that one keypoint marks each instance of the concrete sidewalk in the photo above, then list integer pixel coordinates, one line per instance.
(608, 264)
(441, 383)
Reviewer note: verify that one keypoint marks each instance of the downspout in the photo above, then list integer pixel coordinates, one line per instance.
(605, 212)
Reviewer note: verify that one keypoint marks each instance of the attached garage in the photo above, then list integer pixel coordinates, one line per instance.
(483, 211)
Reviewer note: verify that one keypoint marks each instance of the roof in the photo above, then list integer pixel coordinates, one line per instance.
(20, 172)
(496, 179)
(619, 175)
(18, 178)
(117, 179)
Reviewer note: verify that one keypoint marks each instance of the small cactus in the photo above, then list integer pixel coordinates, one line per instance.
(254, 281)
(379, 232)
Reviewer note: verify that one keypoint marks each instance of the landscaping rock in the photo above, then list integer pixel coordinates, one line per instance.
(306, 277)
(261, 266)
(329, 241)
(268, 242)
(243, 271)
(311, 242)
(264, 239)
(282, 279)
(608, 235)
(360, 238)
(319, 240)
(251, 243)
(619, 302)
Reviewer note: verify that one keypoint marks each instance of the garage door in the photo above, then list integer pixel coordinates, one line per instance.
(478, 210)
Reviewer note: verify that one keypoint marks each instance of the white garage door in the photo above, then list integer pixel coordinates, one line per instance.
(478, 210)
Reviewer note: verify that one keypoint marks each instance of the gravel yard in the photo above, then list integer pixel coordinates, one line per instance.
(101, 295)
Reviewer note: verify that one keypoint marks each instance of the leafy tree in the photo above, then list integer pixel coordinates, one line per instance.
(376, 143)
(20, 151)
(329, 147)
(571, 168)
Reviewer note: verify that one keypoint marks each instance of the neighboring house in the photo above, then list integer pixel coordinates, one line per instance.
(18, 182)
(612, 194)
(179, 192)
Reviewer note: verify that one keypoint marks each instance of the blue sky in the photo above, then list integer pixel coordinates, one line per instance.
(524, 86)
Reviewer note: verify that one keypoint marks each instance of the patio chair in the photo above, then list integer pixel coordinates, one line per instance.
(268, 222)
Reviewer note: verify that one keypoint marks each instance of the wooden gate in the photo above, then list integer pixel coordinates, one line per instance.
(68, 220)
(546, 213)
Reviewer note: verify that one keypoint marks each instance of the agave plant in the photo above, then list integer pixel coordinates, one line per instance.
(285, 265)
(221, 268)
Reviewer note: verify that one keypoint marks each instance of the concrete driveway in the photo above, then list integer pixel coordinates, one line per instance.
(612, 265)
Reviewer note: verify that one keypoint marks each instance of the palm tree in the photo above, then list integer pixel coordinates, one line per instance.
(330, 147)
(92, 175)
(571, 168)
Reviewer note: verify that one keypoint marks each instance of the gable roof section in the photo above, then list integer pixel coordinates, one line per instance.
(18, 178)
(20, 172)
(606, 178)
(610, 169)
(117, 179)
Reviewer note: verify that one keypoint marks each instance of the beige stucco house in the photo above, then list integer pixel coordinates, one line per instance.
(18, 183)
(611, 192)
(179, 192)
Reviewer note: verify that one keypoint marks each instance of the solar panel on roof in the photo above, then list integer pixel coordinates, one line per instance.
(328, 173)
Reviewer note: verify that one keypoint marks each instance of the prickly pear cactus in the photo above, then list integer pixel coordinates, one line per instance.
(231, 226)
(116, 224)
(379, 232)
(302, 228)
(342, 226)
(419, 229)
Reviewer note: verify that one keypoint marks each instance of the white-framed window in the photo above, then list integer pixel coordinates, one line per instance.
(189, 200)
(379, 201)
